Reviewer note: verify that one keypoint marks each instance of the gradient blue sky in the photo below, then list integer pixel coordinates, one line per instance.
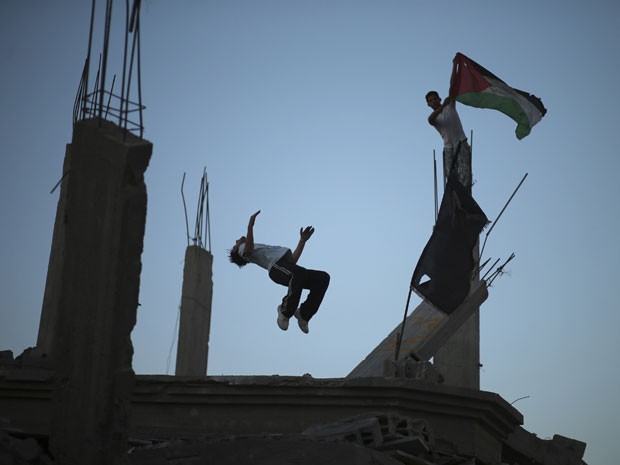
(314, 112)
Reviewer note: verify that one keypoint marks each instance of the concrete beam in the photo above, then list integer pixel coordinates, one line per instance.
(426, 330)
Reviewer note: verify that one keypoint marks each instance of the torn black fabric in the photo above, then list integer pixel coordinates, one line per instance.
(447, 260)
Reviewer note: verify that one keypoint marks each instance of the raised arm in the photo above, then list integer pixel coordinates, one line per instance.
(249, 237)
(448, 100)
(304, 235)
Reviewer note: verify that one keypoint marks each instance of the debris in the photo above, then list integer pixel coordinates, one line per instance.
(411, 368)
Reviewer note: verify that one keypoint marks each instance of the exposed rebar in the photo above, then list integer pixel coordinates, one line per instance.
(91, 103)
(185, 209)
(500, 215)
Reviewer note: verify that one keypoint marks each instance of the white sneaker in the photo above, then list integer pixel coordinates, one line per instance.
(303, 324)
(282, 320)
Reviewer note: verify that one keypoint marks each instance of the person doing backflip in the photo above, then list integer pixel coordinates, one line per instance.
(281, 264)
(456, 150)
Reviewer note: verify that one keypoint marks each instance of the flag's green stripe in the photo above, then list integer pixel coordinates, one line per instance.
(507, 105)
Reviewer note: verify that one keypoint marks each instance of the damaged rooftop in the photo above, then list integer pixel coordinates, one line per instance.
(130, 264)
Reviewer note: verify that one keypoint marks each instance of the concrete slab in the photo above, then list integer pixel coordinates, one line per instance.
(426, 330)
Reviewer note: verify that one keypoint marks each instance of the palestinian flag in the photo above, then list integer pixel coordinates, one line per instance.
(477, 87)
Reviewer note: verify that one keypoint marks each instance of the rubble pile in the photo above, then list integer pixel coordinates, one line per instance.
(407, 440)
(379, 439)
(18, 451)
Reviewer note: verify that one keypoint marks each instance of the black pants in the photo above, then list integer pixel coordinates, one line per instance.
(298, 278)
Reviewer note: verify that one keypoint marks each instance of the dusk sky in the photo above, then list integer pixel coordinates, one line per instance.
(314, 113)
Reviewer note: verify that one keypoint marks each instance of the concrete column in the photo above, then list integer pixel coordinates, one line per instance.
(195, 324)
(458, 360)
(104, 221)
(51, 296)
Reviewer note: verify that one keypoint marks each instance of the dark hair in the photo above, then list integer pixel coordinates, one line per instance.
(430, 93)
(235, 258)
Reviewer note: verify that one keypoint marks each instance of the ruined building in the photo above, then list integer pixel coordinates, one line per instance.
(75, 399)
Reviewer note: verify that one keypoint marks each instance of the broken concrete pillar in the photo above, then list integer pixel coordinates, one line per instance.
(195, 321)
(51, 296)
(104, 221)
(458, 360)
(426, 331)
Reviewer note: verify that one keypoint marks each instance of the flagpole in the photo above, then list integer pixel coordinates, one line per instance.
(399, 336)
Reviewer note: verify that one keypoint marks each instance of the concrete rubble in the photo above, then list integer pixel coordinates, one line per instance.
(525, 447)
(380, 439)
(265, 449)
(15, 450)
(379, 431)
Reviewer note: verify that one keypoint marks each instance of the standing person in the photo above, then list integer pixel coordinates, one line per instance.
(281, 264)
(456, 150)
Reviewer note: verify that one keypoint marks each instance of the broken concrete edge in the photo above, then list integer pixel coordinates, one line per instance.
(521, 445)
(111, 130)
(247, 393)
(164, 388)
(31, 365)
(253, 402)
(146, 385)
(487, 410)
(267, 449)
(143, 381)
(413, 446)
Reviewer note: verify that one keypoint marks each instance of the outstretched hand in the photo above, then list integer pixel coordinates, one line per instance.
(306, 233)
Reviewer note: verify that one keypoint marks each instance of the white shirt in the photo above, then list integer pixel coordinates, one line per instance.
(264, 255)
(448, 124)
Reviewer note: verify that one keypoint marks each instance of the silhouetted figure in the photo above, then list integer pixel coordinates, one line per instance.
(282, 266)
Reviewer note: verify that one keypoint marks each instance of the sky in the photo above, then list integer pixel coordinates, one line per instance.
(314, 113)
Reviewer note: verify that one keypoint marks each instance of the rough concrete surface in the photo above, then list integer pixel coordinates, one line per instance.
(260, 450)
